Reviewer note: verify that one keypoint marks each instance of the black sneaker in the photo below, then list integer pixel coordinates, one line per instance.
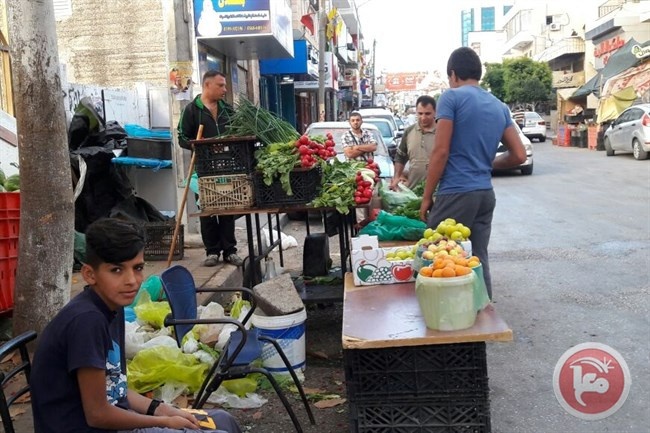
(233, 259)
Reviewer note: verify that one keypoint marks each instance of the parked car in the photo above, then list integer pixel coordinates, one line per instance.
(337, 129)
(527, 167)
(387, 133)
(630, 132)
(382, 113)
(532, 124)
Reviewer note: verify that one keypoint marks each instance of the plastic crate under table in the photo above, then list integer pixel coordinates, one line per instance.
(158, 241)
(462, 414)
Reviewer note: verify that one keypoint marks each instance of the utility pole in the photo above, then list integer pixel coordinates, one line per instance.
(45, 248)
(374, 74)
(322, 39)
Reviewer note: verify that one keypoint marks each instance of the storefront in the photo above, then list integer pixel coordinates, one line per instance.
(232, 36)
(292, 85)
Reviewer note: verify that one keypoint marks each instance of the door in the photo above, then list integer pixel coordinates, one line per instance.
(631, 124)
(616, 138)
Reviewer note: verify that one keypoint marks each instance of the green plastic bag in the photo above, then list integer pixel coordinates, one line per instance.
(153, 286)
(152, 368)
(153, 313)
(391, 200)
(388, 227)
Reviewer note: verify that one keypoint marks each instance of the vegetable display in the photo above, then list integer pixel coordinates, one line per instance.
(339, 185)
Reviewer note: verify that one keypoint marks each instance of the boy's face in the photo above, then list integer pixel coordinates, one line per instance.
(116, 284)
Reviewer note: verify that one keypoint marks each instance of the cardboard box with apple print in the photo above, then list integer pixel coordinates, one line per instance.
(371, 266)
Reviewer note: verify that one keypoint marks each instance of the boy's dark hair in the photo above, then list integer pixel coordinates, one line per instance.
(211, 74)
(465, 63)
(111, 240)
(426, 100)
(355, 114)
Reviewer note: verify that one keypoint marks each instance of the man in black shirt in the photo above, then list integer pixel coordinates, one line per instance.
(210, 110)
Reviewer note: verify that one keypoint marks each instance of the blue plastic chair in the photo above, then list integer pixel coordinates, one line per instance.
(25, 367)
(242, 349)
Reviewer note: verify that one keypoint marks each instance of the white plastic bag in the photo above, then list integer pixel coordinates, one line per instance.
(222, 397)
(209, 334)
(287, 240)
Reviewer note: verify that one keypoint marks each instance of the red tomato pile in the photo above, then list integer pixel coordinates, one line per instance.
(311, 150)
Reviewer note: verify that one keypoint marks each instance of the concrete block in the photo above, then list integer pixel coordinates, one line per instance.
(278, 296)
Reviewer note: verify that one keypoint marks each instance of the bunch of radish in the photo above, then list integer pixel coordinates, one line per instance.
(366, 179)
(310, 150)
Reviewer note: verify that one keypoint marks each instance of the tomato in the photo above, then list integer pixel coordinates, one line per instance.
(304, 150)
(370, 161)
(367, 192)
(304, 139)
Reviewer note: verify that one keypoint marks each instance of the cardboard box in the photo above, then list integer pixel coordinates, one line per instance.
(370, 266)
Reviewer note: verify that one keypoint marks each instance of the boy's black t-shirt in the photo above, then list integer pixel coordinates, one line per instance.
(85, 333)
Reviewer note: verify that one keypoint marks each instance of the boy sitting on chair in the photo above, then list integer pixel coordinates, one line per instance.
(78, 378)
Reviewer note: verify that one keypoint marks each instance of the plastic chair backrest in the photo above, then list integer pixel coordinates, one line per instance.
(179, 287)
(17, 343)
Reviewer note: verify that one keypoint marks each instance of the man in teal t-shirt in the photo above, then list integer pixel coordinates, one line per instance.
(470, 123)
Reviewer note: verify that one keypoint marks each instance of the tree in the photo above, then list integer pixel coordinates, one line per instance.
(47, 212)
(493, 80)
(526, 81)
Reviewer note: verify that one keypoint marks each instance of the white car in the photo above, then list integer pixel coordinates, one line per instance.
(532, 124)
(630, 132)
(527, 167)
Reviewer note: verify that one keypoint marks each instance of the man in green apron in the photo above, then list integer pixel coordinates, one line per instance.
(416, 145)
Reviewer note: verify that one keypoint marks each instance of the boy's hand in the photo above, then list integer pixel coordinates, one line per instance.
(171, 411)
(180, 422)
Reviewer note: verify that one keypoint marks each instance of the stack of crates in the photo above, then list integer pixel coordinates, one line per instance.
(419, 388)
(224, 167)
(9, 226)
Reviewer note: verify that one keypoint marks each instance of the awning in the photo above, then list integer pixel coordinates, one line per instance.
(618, 62)
(638, 78)
(567, 93)
(613, 105)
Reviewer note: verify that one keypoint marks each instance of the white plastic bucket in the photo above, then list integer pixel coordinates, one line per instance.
(289, 331)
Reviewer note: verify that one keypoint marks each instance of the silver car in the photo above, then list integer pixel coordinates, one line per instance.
(532, 124)
(630, 132)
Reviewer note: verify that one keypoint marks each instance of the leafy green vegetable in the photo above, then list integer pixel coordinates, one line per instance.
(276, 161)
(339, 184)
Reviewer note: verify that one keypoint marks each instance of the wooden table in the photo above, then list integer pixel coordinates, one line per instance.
(400, 373)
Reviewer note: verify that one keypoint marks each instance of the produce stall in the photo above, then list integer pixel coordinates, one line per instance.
(262, 166)
(402, 374)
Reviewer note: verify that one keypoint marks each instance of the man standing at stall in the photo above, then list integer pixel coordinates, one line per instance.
(211, 110)
(416, 145)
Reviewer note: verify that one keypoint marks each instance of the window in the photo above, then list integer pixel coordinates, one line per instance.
(466, 24)
(506, 9)
(487, 19)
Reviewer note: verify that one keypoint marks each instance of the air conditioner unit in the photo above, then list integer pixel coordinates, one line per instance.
(554, 27)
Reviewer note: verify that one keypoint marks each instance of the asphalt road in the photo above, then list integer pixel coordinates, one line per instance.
(570, 256)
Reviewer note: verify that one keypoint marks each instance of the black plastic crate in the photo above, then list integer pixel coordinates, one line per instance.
(149, 148)
(305, 186)
(433, 370)
(158, 241)
(229, 155)
(431, 415)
